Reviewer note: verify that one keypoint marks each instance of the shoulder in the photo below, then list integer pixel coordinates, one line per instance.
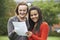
(44, 25)
(11, 18)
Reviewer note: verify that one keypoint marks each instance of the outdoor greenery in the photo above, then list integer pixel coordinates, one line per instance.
(50, 11)
(7, 8)
(49, 38)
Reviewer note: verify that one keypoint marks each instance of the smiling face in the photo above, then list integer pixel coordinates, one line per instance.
(22, 11)
(34, 15)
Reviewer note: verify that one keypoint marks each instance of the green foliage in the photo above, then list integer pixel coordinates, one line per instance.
(50, 11)
(54, 34)
(10, 7)
(2, 8)
(7, 8)
(3, 26)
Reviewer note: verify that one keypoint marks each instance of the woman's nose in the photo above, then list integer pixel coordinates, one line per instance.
(22, 11)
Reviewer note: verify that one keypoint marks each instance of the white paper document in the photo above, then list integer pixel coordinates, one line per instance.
(20, 28)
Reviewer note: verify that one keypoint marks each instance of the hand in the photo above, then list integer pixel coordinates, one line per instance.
(29, 34)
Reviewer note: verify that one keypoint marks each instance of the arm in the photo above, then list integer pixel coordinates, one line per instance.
(10, 27)
(44, 33)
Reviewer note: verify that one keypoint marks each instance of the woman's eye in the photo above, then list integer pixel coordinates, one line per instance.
(24, 10)
(35, 14)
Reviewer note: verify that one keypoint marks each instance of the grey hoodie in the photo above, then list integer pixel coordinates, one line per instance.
(12, 35)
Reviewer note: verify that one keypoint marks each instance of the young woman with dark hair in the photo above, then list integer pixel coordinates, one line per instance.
(38, 29)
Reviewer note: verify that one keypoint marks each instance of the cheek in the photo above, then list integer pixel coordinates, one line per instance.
(30, 17)
(25, 12)
(37, 16)
(18, 11)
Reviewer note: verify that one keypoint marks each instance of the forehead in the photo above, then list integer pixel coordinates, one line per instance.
(22, 7)
(33, 12)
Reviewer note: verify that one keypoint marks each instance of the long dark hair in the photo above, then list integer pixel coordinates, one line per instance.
(39, 20)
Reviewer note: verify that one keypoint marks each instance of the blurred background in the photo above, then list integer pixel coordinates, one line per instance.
(50, 10)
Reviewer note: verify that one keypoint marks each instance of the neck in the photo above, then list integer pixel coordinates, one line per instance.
(22, 18)
(35, 25)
